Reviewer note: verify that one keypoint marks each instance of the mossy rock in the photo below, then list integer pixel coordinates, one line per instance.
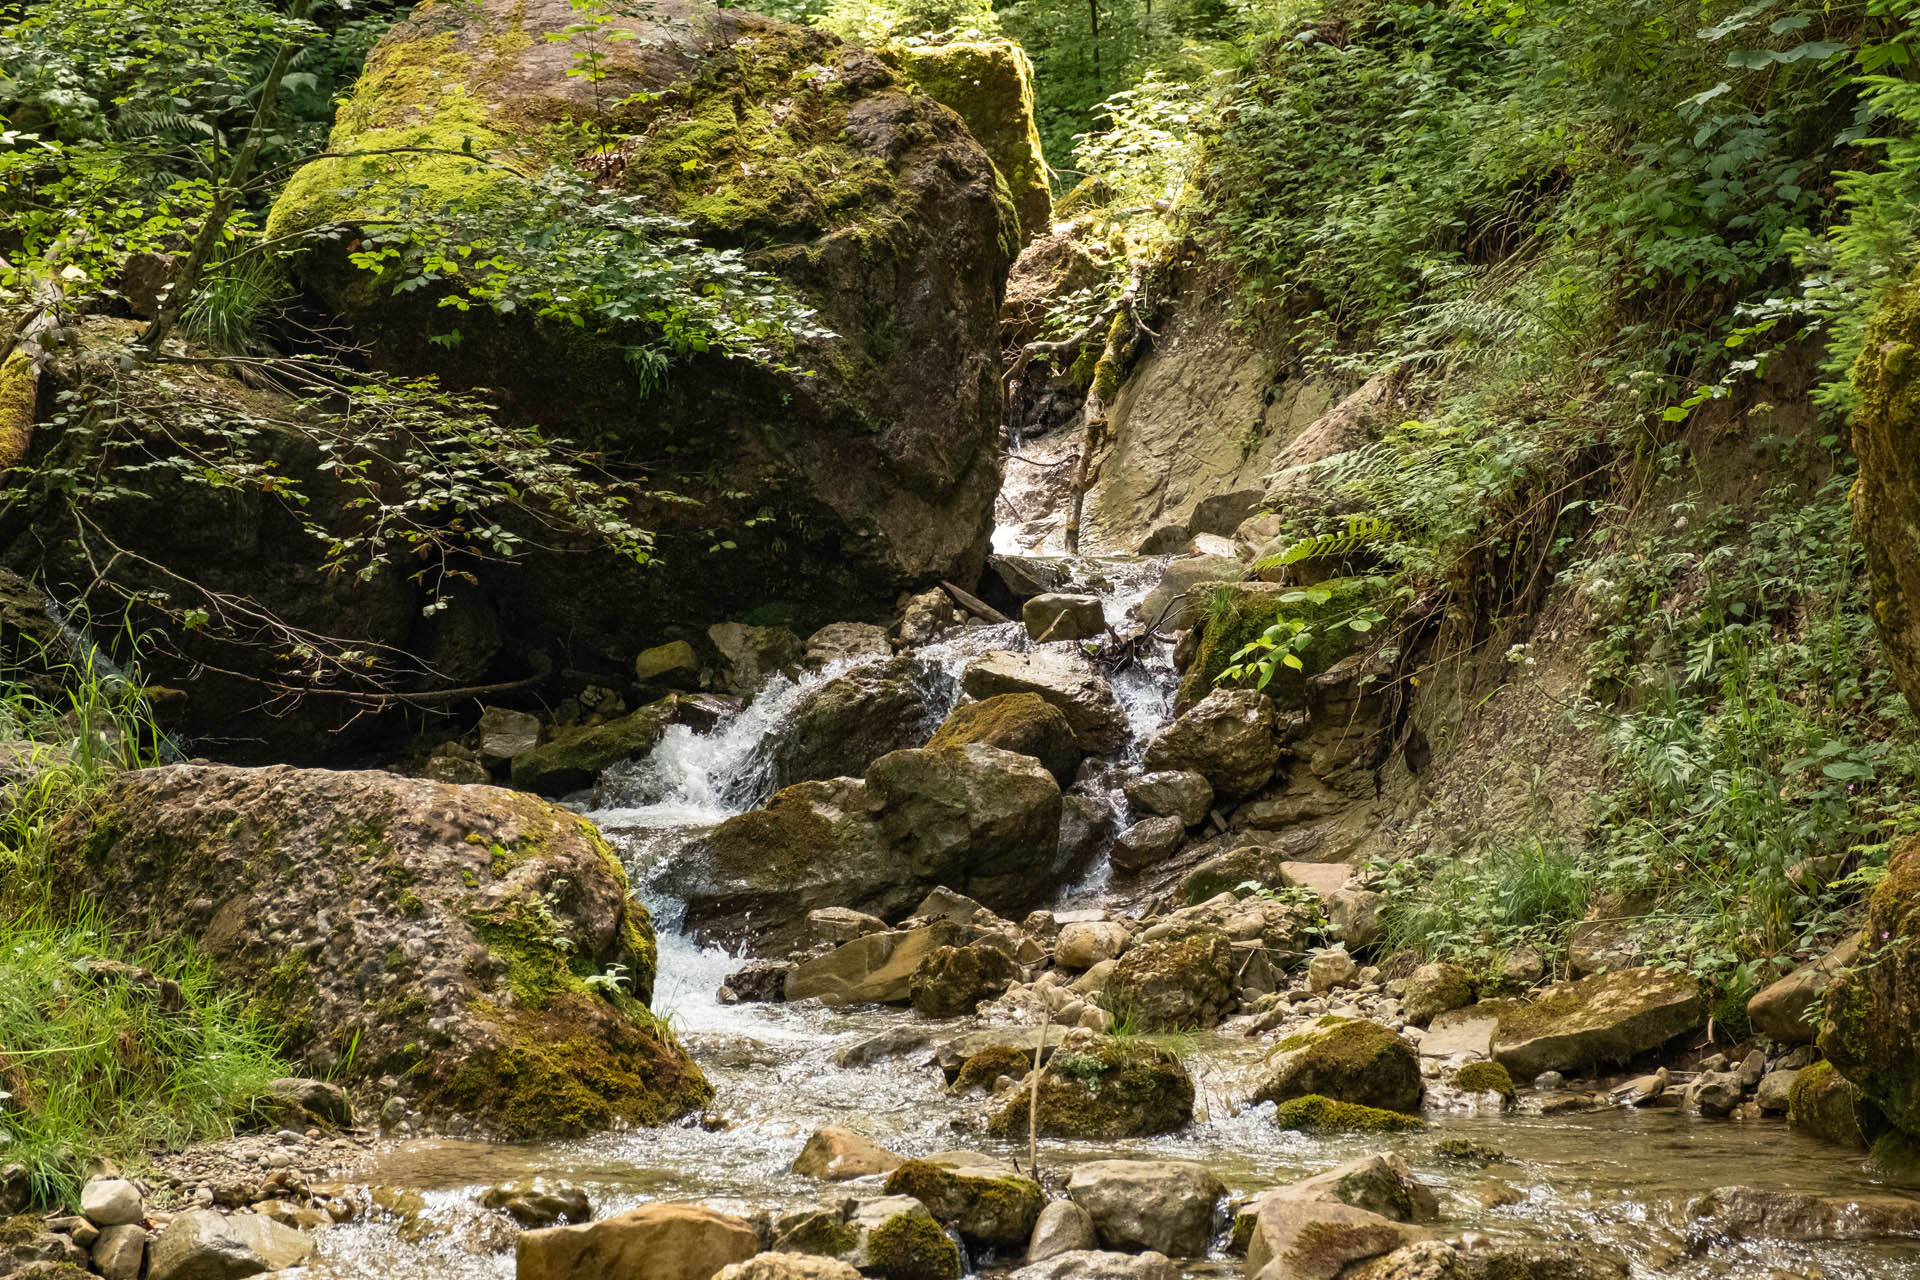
(1886, 496)
(1111, 1088)
(527, 1015)
(19, 406)
(1315, 1114)
(1825, 1104)
(989, 84)
(850, 468)
(577, 757)
(909, 1247)
(1024, 723)
(984, 1068)
(1486, 1077)
(1871, 1032)
(1349, 1059)
(1235, 614)
(1174, 984)
(985, 1205)
(1226, 872)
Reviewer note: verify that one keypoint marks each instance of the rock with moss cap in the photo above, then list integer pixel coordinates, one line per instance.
(1315, 1240)
(1886, 497)
(1025, 723)
(1103, 1088)
(1823, 1103)
(872, 204)
(575, 758)
(443, 935)
(1347, 1059)
(987, 1202)
(1315, 1114)
(989, 84)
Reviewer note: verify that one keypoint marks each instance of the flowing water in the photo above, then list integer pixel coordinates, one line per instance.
(1616, 1177)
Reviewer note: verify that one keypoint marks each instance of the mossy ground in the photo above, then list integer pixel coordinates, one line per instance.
(1315, 1114)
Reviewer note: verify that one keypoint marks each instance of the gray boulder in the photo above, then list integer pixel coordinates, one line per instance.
(839, 727)
(203, 1245)
(1166, 1206)
(1056, 616)
(1230, 738)
(1063, 678)
(1171, 793)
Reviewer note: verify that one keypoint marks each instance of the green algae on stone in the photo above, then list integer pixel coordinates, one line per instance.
(1871, 1031)
(987, 1066)
(1024, 723)
(1315, 1114)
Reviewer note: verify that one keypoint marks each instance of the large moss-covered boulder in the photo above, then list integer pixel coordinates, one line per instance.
(1871, 1033)
(989, 83)
(1886, 497)
(1106, 1088)
(861, 464)
(1181, 983)
(988, 1203)
(1348, 1060)
(385, 926)
(1823, 1103)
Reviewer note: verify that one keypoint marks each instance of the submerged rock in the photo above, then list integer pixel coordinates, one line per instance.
(1748, 1213)
(1103, 1088)
(538, 1202)
(1348, 1060)
(1315, 1114)
(654, 1241)
(446, 928)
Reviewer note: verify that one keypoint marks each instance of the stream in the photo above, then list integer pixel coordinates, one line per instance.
(1618, 1177)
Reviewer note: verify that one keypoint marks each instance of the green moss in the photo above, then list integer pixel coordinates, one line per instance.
(19, 405)
(910, 1247)
(567, 1071)
(415, 102)
(1239, 612)
(1823, 1103)
(1315, 1114)
(411, 904)
(990, 1209)
(1348, 1058)
(987, 1066)
(1485, 1077)
(989, 84)
(1467, 1151)
(1112, 1088)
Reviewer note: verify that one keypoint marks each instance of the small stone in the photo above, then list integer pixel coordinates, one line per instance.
(1716, 1093)
(1059, 616)
(120, 1252)
(111, 1202)
(505, 734)
(1083, 945)
(1329, 969)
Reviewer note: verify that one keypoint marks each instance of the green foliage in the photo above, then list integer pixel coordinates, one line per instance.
(1476, 908)
(111, 1047)
(1289, 637)
(559, 248)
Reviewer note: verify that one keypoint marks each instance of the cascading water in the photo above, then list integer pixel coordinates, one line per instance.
(1612, 1177)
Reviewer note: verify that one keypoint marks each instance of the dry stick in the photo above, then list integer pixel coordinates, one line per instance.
(226, 196)
(975, 605)
(1033, 1095)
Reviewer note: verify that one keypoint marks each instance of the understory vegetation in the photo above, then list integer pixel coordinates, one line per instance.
(110, 1047)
